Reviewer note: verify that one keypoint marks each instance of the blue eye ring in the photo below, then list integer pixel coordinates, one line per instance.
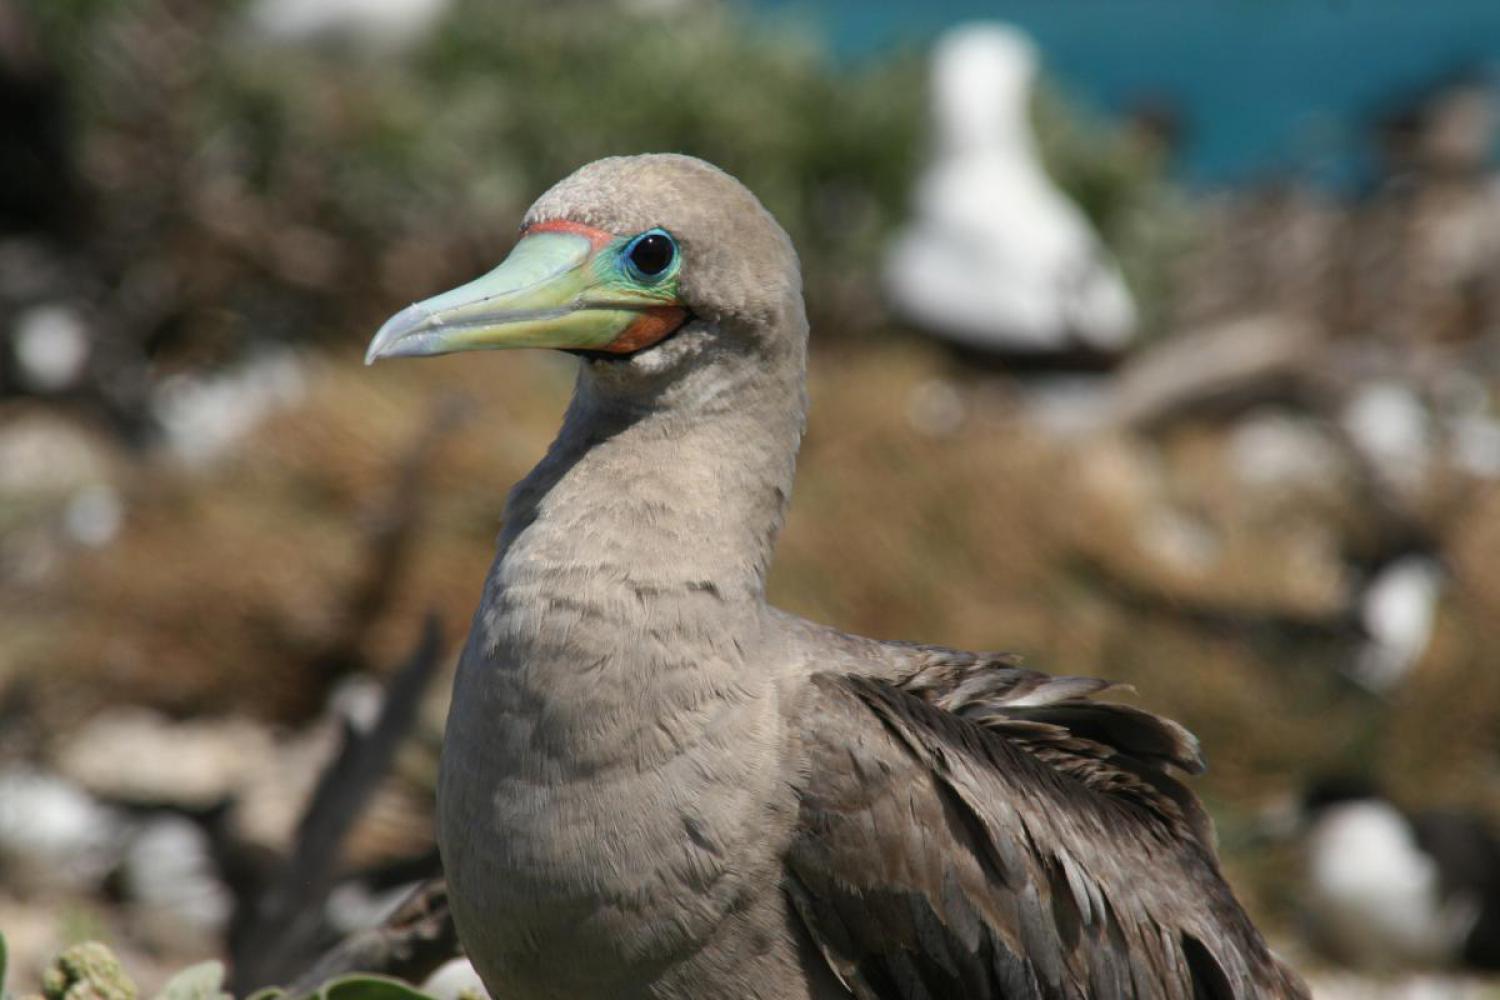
(650, 257)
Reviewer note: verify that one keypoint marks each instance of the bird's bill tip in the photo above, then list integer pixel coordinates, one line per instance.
(398, 336)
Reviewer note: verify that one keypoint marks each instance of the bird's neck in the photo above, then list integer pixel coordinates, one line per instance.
(682, 495)
(630, 579)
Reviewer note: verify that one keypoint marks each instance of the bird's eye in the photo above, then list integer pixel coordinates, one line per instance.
(650, 255)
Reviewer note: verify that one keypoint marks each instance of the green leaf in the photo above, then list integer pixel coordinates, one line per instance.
(204, 981)
(363, 986)
(267, 993)
(4, 956)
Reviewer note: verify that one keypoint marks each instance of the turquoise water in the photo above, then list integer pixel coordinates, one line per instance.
(1265, 87)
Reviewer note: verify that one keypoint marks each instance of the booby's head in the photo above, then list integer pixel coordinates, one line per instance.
(647, 266)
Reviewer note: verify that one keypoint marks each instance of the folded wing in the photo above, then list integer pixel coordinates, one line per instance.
(972, 829)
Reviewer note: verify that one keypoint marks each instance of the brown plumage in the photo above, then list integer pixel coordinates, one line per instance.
(1004, 835)
(655, 785)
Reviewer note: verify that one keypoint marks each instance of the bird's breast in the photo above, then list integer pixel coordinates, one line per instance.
(597, 836)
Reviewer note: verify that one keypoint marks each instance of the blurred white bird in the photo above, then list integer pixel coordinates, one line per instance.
(997, 258)
(52, 347)
(1387, 889)
(372, 25)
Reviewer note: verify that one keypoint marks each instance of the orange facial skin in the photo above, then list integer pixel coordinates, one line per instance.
(655, 324)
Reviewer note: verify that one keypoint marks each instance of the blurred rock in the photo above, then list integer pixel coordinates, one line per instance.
(1133, 526)
(203, 417)
(93, 515)
(357, 699)
(1475, 443)
(1067, 406)
(1225, 368)
(1170, 522)
(935, 407)
(1393, 430)
(51, 346)
(177, 899)
(48, 457)
(1180, 542)
(1461, 391)
(139, 756)
(202, 981)
(1398, 611)
(1281, 454)
(55, 487)
(1121, 470)
(54, 836)
(455, 980)
(1425, 986)
(355, 906)
(996, 258)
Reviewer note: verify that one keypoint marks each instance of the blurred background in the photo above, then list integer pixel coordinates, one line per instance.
(1153, 341)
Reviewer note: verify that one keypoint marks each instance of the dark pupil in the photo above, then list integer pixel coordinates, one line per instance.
(651, 254)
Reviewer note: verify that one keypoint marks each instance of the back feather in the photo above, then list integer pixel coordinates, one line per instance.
(1112, 748)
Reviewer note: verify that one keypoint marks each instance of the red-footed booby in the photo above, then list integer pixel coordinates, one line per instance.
(656, 785)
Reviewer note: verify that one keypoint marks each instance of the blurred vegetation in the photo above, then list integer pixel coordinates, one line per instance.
(91, 971)
(275, 191)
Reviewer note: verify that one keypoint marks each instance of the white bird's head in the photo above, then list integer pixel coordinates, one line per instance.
(981, 88)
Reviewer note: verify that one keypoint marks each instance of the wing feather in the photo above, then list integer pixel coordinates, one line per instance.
(969, 828)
